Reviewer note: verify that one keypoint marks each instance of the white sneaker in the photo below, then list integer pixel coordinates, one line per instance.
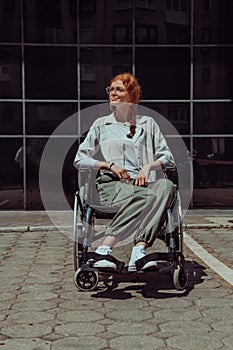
(139, 252)
(104, 264)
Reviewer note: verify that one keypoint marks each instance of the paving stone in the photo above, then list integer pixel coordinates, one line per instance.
(228, 341)
(172, 303)
(131, 315)
(82, 304)
(177, 315)
(80, 316)
(225, 325)
(144, 342)
(122, 328)
(30, 317)
(127, 304)
(79, 329)
(34, 305)
(26, 331)
(192, 342)
(217, 313)
(82, 343)
(37, 296)
(25, 344)
(184, 327)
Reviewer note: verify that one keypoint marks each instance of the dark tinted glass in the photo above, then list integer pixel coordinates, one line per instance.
(178, 114)
(105, 22)
(98, 66)
(213, 118)
(44, 118)
(10, 118)
(51, 72)
(213, 21)
(10, 29)
(213, 72)
(10, 72)
(162, 22)
(57, 164)
(11, 174)
(213, 172)
(163, 73)
(52, 21)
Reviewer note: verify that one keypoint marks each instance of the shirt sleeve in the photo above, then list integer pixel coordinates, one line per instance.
(161, 149)
(88, 148)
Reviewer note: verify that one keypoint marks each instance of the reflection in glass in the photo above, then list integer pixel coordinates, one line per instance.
(35, 148)
(50, 72)
(163, 73)
(44, 118)
(213, 21)
(178, 114)
(213, 118)
(213, 73)
(116, 26)
(50, 21)
(98, 66)
(10, 118)
(10, 72)
(11, 175)
(166, 22)
(10, 21)
(213, 172)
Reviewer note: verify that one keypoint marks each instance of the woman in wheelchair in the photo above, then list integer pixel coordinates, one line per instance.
(133, 149)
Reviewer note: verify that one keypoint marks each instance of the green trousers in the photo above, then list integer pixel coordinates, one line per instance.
(141, 210)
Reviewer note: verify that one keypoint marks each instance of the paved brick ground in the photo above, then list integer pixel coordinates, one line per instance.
(41, 309)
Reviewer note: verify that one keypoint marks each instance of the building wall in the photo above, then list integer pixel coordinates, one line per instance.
(57, 57)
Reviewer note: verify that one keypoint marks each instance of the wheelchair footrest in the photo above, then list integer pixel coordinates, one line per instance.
(154, 257)
(93, 257)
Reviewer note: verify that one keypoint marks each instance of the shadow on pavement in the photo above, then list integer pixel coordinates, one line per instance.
(158, 285)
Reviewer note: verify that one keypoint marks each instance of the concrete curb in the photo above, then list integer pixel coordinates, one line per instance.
(37, 228)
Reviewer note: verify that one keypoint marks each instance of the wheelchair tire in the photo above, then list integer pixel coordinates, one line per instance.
(86, 280)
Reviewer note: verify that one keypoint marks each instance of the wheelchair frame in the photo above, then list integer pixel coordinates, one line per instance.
(86, 277)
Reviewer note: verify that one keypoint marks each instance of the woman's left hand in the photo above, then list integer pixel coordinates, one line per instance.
(142, 177)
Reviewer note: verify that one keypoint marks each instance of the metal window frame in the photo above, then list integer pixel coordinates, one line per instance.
(191, 100)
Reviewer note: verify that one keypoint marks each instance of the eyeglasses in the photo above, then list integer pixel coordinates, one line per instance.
(118, 90)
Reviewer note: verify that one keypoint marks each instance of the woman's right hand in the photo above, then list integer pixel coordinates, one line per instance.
(120, 172)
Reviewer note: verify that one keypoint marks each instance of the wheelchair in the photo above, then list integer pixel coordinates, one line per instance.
(87, 209)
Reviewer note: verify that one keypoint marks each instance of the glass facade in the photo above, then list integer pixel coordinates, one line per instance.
(57, 56)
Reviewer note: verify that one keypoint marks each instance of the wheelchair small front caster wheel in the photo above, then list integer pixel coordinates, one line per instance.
(86, 280)
(180, 278)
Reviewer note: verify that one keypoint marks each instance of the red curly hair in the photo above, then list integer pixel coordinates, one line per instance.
(132, 86)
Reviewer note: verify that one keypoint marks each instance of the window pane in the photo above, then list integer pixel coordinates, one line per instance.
(50, 21)
(163, 73)
(98, 66)
(116, 26)
(44, 118)
(10, 72)
(164, 24)
(213, 172)
(213, 73)
(215, 17)
(65, 177)
(10, 118)
(11, 174)
(178, 114)
(10, 21)
(51, 72)
(213, 118)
